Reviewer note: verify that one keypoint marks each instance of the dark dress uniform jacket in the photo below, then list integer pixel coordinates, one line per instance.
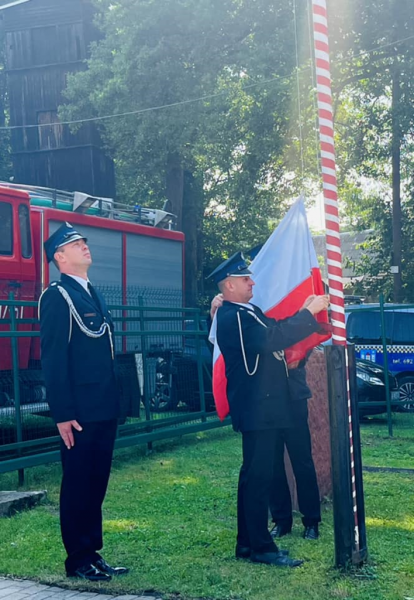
(78, 370)
(260, 400)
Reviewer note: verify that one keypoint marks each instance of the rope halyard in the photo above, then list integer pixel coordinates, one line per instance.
(302, 155)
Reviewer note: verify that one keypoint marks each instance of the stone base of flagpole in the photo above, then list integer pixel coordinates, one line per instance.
(316, 376)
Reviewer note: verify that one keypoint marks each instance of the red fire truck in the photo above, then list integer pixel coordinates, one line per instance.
(132, 248)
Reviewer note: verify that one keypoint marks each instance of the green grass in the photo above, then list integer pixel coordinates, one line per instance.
(171, 517)
(379, 450)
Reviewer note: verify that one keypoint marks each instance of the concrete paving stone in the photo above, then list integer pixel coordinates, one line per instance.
(100, 597)
(43, 595)
(4, 589)
(23, 589)
(7, 590)
(40, 586)
(75, 594)
(82, 595)
(135, 597)
(6, 583)
(28, 589)
(23, 583)
(63, 594)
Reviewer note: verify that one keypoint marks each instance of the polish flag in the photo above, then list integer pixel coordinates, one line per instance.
(285, 272)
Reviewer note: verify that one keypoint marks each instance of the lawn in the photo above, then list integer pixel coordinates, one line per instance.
(171, 517)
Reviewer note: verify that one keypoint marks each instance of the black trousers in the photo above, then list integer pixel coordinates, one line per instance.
(86, 469)
(298, 444)
(255, 482)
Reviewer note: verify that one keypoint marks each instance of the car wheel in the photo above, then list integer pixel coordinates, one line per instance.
(164, 398)
(407, 394)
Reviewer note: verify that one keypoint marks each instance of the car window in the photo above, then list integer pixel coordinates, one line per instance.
(403, 330)
(25, 235)
(6, 229)
(365, 327)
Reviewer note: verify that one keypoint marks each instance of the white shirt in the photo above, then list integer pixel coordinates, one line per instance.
(83, 282)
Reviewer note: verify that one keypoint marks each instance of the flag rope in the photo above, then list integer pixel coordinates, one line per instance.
(330, 193)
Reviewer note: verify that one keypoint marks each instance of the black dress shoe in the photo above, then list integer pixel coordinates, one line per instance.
(276, 558)
(89, 572)
(311, 532)
(103, 567)
(244, 552)
(280, 530)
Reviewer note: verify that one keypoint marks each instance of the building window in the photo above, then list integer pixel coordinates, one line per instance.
(6, 229)
(25, 235)
(51, 131)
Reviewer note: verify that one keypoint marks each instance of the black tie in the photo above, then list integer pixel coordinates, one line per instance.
(94, 296)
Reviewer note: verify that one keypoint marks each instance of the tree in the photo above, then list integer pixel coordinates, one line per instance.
(5, 158)
(375, 120)
(222, 155)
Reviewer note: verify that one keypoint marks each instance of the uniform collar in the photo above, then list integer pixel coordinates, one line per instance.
(245, 305)
(83, 282)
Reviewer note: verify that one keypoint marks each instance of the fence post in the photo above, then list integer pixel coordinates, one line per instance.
(144, 365)
(200, 372)
(386, 373)
(16, 382)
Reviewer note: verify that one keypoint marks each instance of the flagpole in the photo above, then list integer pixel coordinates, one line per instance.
(330, 194)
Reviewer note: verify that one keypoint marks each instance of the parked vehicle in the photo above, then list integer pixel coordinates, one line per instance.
(371, 388)
(177, 379)
(363, 326)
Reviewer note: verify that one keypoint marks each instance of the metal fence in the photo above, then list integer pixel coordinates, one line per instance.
(164, 373)
(383, 336)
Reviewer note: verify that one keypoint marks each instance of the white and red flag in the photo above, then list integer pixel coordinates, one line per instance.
(286, 273)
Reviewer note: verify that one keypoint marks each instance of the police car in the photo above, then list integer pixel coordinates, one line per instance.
(363, 326)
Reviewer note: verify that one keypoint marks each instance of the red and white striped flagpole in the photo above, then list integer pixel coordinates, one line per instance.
(330, 194)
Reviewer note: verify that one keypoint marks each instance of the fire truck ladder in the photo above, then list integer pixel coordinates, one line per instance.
(92, 205)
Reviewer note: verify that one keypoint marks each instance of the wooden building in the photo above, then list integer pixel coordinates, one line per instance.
(44, 41)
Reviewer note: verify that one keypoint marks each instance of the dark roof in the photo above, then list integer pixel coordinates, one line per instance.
(351, 251)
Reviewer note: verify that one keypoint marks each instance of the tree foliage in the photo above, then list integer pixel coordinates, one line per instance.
(373, 74)
(221, 161)
(5, 158)
(212, 85)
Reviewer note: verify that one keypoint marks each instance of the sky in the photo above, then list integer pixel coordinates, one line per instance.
(315, 215)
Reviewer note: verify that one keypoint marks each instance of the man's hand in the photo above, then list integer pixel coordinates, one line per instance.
(66, 432)
(216, 302)
(318, 304)
(308, 301)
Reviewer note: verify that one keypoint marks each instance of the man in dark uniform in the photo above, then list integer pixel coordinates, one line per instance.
(77, 353)
(258, 392)
(297, 441)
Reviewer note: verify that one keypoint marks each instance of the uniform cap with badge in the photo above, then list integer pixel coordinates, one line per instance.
(62, 236)
(235, 266)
